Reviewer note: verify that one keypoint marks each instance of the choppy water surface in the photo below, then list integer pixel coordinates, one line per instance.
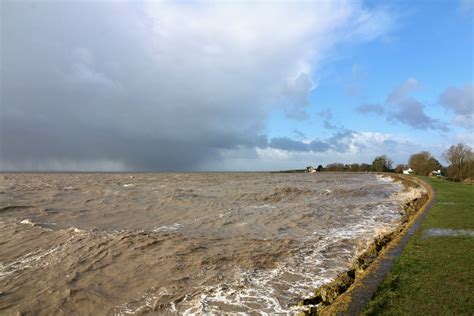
(186, 243)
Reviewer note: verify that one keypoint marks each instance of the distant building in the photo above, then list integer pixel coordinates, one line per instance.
(436, 173)
(310, 169)
(408, 171)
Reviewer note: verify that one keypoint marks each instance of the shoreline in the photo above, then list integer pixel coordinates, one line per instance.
(352, 290)
(433, 274)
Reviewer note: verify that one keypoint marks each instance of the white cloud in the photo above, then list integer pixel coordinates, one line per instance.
(466, 7)
(465, 138)
(273, 154)
(464, 120)
(401, 107)
(460, 101)
(274, 48)
(343, 147)
(367, 139)
(400, 92)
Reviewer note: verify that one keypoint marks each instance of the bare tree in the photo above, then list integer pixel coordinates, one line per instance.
(460, 158)
(335, 167)
(400, 167)
(382, 163)
(423, 163)
(364, 167)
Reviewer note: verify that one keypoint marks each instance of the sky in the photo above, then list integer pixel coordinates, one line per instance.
(231, 86)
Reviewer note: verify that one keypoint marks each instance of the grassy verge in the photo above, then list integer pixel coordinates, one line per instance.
(434, 275)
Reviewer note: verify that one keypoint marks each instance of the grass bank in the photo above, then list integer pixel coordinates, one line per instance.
(435, 274)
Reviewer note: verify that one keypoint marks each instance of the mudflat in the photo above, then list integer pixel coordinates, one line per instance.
(168, 242)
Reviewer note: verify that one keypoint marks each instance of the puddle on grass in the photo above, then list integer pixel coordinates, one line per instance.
(448, 232)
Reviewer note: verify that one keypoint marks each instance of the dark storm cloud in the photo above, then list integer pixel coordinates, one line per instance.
(116, 85)
(287, 143)
(78, 86)
(40, 142)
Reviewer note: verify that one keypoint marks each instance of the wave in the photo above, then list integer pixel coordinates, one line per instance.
(202, 243)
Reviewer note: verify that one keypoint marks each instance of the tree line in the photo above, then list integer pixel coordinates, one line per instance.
(460, 158)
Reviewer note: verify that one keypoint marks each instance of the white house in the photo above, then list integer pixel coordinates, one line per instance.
(408, 171)
(310, 169)
(436, 173)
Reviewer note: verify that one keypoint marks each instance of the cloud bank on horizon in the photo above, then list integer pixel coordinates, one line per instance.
(113, 86)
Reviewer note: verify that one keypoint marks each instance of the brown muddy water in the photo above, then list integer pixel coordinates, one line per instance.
(169, 243)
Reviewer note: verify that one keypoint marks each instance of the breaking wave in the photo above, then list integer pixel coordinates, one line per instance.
(183, 243)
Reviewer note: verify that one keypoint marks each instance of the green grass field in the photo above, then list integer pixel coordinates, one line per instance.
(434, 275)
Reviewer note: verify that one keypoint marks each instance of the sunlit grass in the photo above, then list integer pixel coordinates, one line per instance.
(434, 275)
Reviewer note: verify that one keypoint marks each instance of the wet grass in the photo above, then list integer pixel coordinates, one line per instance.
(434, 275)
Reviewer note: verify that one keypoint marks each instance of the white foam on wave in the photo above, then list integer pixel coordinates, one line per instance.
(226, 212)
(27, 222)
(145, 302)
(384, 178)
(169, 228)
(77, 230)
(264, 206)
(309, 269)
(387, 214)
(42, 225)
(254, 292)
(29, 260)
(406, 196)
(210, 297)
(298, 275)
